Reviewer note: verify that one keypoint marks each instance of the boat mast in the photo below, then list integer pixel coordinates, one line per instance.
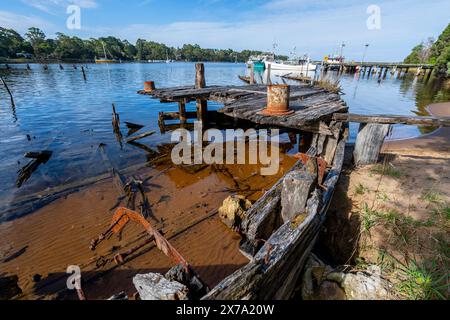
(104, 50)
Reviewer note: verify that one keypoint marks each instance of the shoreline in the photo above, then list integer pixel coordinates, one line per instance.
(436, 142)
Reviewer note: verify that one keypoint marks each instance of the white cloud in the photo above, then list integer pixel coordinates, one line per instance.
(21, 23)
(318, 33)
(49, 6)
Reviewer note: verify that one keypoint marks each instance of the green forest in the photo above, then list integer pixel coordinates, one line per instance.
(435, 52)
(66, 48)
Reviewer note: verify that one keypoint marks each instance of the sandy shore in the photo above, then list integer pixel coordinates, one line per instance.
(183, 205)
(436, 143)
(396, 217)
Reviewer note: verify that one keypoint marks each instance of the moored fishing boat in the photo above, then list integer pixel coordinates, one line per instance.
(301, 65)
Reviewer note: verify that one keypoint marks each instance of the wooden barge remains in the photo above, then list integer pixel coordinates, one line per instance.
(280, 229)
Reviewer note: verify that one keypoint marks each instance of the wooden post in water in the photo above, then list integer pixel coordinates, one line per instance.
(252, 73)
(369, 142)
(200, 82)
(268, 81)
(182, 110)
(84, 73)
(9, 92)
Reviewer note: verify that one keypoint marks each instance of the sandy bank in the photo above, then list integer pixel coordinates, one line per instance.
(436, 143)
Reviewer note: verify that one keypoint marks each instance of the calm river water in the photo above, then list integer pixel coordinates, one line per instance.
(57, 110)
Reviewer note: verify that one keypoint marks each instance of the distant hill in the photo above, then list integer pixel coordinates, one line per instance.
(434, 52)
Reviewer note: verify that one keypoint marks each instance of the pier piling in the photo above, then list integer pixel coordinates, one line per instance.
(200, 82)
(369, 142)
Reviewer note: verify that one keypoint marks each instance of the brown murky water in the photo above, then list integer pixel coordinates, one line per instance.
(183, 206)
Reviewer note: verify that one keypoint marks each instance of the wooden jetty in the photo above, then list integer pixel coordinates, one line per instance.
(312, 106)
(280, 229)
(380, 68)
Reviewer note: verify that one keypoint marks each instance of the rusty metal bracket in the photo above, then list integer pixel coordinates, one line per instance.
(122, 216)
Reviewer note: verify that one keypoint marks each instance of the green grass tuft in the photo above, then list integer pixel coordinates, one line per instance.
(360, 189)
(431, 196)
(388, 170)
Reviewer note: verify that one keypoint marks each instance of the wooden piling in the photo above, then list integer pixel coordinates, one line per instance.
(369, 142)
(84, 73)
(9, 91)
(182, 110)
(268, 81)
(200, 82)
(252, 73)
(200, 76)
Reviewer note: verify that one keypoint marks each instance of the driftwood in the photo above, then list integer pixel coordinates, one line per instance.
(133, 127)
(141, 136)
(9, 91)
(274, 270)
(369, 142)
(38, 158)
(245, 79)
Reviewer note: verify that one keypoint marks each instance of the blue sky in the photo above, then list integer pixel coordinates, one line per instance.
(315, 27)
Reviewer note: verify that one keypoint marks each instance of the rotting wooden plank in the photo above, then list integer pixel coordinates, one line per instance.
(260, 220)
(393, 119)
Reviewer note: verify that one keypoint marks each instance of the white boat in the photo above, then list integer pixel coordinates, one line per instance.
(298, 66)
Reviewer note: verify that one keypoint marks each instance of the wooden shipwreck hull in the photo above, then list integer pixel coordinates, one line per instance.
(280, 229)
(278, 250)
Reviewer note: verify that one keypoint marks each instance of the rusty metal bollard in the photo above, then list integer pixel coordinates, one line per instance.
(277, 100)
(149, 86)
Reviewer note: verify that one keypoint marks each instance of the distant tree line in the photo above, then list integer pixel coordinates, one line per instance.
(433, 52)
(66, 48)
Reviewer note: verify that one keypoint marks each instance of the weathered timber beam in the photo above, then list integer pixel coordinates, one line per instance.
(369, 142)
(176, 115)
(392, 119)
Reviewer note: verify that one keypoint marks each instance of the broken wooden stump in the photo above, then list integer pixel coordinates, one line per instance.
(369, 142)
(38, 158)
(297, 187)
(245, 79)
(154, 286)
